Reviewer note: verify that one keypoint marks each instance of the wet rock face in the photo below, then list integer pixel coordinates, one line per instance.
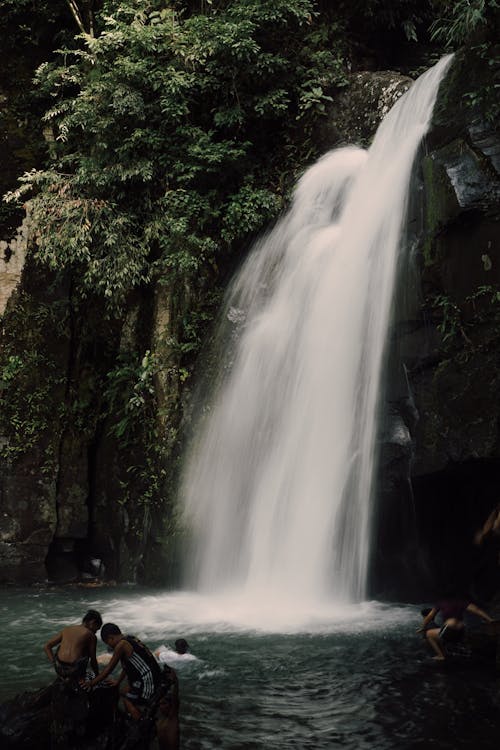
(27, 522)
(457, 396)
(69, 507)
(445, 350)
(359, 110)
(53, 367)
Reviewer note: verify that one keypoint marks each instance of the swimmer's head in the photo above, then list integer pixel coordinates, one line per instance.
(425, 612)
(181, 646)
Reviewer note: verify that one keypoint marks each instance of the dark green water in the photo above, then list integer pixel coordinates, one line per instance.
(351, 678)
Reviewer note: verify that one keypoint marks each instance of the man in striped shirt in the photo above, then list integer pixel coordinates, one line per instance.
(138, 665)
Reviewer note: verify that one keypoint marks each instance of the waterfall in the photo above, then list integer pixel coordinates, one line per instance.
(278, 481)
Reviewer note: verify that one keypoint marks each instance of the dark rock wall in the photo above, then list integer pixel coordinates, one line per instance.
(440, 460)
(75, 496)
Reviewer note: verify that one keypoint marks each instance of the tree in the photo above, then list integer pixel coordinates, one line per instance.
(172, 132)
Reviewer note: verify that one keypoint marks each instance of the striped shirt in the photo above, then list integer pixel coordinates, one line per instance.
(142, 669)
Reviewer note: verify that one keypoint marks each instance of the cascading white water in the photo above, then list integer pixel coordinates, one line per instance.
(277, 487)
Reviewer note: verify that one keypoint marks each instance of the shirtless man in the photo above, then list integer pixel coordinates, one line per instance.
(77, 645)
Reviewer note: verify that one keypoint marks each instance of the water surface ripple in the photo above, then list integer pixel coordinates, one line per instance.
(361, 680)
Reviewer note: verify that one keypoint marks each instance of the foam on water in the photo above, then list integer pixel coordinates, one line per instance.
(185, 613)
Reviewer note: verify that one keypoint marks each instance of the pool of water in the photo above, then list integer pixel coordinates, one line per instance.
(276, 676)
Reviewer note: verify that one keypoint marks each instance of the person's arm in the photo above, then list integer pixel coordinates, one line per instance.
(119, 679)
(496, 523)
(432, 614)
(107, 670)
(488, 526)
(93, 654)
(479, 612)
(122, 649)
(50, 645)
(175, 691)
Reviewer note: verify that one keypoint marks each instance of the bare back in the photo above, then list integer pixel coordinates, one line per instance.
(76, 642)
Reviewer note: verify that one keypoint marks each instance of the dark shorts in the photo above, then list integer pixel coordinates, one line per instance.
(430, 626)
(75, 670)
(136, 699)
(451, 635)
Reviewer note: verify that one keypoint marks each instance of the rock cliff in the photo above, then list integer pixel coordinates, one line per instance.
(440, 470)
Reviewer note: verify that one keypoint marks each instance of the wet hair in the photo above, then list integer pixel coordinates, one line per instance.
(93, 616)
(109, 629)
(181, 646)
(424, 612)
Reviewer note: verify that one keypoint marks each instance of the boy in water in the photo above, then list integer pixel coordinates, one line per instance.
(166, 655)
(77, 645)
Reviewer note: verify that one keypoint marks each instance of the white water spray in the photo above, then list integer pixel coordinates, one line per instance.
(277, 487)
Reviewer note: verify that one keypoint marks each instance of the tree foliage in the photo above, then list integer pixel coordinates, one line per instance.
(171, 131)
(459, 21)
(379, 16)
(474, 25)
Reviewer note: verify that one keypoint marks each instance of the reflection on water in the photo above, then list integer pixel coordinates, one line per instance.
(352, 678)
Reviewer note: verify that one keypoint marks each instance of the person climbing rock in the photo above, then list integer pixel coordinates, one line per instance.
(76, 647)
(151, 695)
(452, 628)
(138, 665)
(431, 624)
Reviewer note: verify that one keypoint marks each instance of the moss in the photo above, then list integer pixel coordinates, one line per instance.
(456, 399)
(441, 207)
(32, 375)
